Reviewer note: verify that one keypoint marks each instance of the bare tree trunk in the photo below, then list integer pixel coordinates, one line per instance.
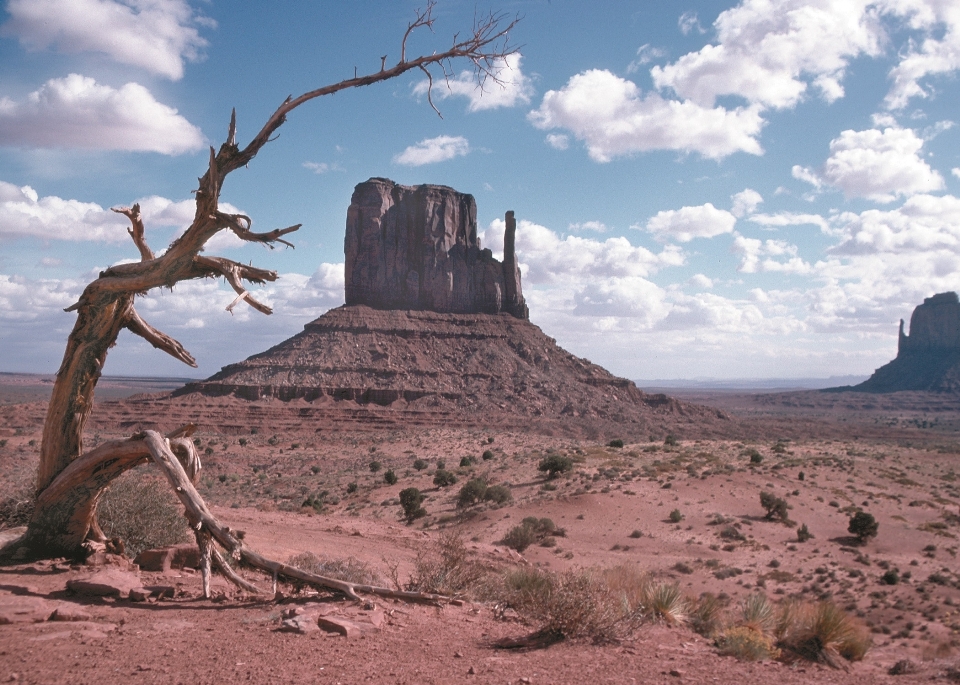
(70, 481)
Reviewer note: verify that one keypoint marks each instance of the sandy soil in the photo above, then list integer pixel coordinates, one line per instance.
(614, 508)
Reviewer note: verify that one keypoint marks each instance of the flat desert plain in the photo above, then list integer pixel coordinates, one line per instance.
(679, 509)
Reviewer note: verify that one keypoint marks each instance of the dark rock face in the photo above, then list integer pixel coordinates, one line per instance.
(928, 358)
(416, 248)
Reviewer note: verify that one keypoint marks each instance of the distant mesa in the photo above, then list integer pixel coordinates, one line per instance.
(436, 331)
(929, 357)
(417, 248)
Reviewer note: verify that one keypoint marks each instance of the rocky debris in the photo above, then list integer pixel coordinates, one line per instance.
(24, 609)
(434, 368)
(309, 618)
(164, 559)
(416, 247)
(108, 582)
(929, 357)
(70, 612)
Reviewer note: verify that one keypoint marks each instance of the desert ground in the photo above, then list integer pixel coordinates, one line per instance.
(680, 508)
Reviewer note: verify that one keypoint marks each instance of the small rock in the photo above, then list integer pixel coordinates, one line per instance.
(299, 624)
(676, 674)
(457, 655)
(106, 583)
(471, 671)
(903, 667)
(69, 612)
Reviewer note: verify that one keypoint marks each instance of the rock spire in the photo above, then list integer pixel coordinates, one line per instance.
(416, 248)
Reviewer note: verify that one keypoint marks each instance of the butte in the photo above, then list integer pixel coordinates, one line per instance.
(435, 331)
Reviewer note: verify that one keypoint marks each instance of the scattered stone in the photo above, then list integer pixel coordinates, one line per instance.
(300, 624)
(903, 667)
(20, 609)
(109, 582)
(164, 559)
(676, 674)
(70, 612)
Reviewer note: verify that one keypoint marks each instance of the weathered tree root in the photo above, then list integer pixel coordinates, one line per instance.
(207, 529)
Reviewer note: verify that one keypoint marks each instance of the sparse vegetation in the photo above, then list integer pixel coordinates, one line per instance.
(528, 532)
(446, 568)
(487, 455)
(675, 516)
(443, 478)
(555, 464)
(375, 466)
(615, 443)
(803, 533)
(141, 510)
(389, 477)
(410, 501)
(775, 507)
(350, 569)
(420, 464)
(864, 526)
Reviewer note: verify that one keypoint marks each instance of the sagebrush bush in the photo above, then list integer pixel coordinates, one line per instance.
(420, 464)
(555, 464)
(706, 615)
(445, 568)
(803, 533)
(472, 492)
(675, 516)
(443, 478)
(141, 509)
(775, 507)
(747, 644)
(350, 569)
(498, 494)
(390, 478)
(863, 525)
(410, 501)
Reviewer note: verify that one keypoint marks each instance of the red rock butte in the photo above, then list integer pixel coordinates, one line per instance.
(436, 329)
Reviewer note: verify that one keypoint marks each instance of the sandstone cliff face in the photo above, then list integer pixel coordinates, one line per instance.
(928, 358)
(417, 248)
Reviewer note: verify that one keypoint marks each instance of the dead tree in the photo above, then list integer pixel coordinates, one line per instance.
(71, 481)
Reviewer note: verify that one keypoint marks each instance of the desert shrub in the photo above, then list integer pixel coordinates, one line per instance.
(706, 615)
(636, 534)
(351, 488)
(757, 612)
(410, 501)
(441, 464)
(615, 443)
(755, 456)
(443, 478)
(350, 569)
(747, 644)
(17, 507)
(141, 510)
(779, 448)
(242, 442)
(375, 466)
(665, 601)
(675, 516)
(317, 502)
(472, 492)
(445, 568)
(775, 507)
(487, 455)
(555, 464)
(890, 577)
(390, 478)
(420, 464)
(466, 462)
(670, 441)
(498, 494)
(863, 525)
(803, 533)
(823, 632)
(529, 531)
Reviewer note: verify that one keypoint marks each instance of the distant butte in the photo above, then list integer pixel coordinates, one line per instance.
(929, 357)
(436, 330)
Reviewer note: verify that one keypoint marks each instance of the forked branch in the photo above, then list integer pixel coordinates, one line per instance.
(158, 339)
(136, 230)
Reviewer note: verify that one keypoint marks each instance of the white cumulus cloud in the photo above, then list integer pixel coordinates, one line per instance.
(936, 51)
(768, 53)
(745, 202)
(879, 165)
(156, 35)
(506, 86)
(433, 150)
(768, 256)
(687, 223)
(614, 118)
(77, 112)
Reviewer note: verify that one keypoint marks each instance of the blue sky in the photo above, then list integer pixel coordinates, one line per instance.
(704, 189)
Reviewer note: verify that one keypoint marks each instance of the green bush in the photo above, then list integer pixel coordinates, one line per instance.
(351, 488)
(498, 494)
(420, 464)
(390, 478)
(442, 478)
(410, 501)
(487, 455)
(775, 507)
(863, 525)
(375, 466)
(141, 510)
(670, 441)
(675, 516)
(803, 533)
(530, 530)
(891, 577)
(615, 443)
(466, 462)
(472, 492)
(555, 464)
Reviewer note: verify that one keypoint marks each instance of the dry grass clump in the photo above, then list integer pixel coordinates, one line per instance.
(823, 632)
(446, 568)
(706, 615)
(666, 602)
(141, 510)
(350, 569)
(747, 644)
(820, 632)
(584, 603)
